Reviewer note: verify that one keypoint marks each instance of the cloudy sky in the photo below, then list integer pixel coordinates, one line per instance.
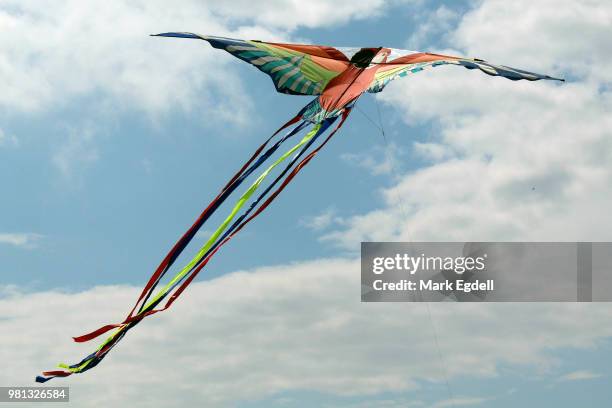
(111, 142)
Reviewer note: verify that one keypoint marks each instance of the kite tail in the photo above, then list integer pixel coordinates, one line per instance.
(182, 243)
(219, 237)
(255, 161)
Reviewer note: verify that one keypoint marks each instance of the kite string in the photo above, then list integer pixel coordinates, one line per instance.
(400, 202)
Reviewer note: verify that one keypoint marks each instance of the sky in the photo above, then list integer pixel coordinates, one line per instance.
(112, 142)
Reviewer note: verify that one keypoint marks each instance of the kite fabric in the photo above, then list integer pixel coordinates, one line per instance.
(337, 77)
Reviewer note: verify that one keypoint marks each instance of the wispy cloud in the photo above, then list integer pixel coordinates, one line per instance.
(22, 240)
(432, 23)
(378, 161)
(76, 153)
(321, 221)
(580, 375)
(460, 402)
(432, 151)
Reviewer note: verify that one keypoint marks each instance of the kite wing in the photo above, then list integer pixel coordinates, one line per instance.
(295, 69)
(412, 62)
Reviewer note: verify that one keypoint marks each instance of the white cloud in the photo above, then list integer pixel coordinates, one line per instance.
(573, 39)
(290, 14)
(321, 221)
(514, 160)
(381, 403)
(460, 402)
(432, 151)
(377, 160)
(292, 327)
(72, 51)
(22, 240)
(580, 375)
(76, 153)
(431, 23)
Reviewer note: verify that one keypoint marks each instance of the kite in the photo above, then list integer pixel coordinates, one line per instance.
(336, 77)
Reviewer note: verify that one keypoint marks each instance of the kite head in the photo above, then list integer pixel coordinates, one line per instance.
(366, 56)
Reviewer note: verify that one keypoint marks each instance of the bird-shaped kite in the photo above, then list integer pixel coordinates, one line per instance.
(337, 77)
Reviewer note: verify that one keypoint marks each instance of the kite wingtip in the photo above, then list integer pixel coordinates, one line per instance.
(176, 35)
(41, 379)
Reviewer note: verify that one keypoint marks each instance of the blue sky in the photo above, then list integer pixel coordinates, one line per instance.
(112, 142)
